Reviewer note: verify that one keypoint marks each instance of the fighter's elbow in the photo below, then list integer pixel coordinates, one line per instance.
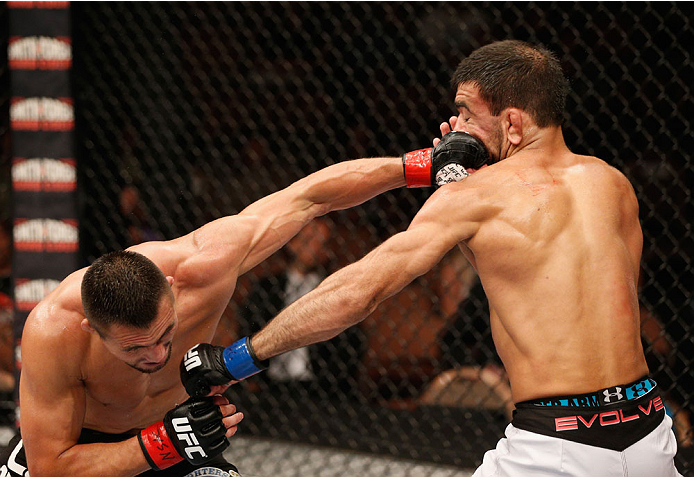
(372, 303)
(39, 469)
(61, 465)
(362, 302)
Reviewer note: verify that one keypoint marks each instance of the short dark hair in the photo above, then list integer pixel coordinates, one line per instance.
(517, 74)
(123, 288)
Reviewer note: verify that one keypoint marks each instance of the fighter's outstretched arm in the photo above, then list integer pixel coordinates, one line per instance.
(207, 262)
(269, 223)
(349, 295)
(240, 242)
(266, 225)
(450, 216)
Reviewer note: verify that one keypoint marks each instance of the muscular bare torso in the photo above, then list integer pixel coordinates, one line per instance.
(116, 398)
(559, 261)
(121, 399)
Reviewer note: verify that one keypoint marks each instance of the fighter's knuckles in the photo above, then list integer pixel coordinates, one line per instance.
(227, 409)
(220, 400)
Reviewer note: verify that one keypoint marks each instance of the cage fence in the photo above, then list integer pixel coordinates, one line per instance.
(186, 112)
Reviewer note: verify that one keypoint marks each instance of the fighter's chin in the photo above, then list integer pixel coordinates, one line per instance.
(149, 368)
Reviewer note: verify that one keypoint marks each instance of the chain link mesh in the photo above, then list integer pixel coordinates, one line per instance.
(189, 111)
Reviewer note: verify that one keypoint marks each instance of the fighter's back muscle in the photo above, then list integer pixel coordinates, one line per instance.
(558, 261)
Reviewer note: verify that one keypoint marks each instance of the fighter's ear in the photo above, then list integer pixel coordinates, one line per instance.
(513, 122)
(86, 326)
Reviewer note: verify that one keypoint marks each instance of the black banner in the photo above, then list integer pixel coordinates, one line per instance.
(43, 166)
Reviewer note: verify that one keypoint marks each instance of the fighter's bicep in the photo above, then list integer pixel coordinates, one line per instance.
(52, 403)
(275, 220)
(409, 254)
(453, 213)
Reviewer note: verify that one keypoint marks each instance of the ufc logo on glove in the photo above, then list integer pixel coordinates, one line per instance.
(191, 359)
(184, 432)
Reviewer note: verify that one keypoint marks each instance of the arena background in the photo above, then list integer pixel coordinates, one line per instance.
(186, 112)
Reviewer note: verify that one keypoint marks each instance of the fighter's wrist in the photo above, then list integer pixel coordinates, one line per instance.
(417, 167)
(158, 447)
(241, 361)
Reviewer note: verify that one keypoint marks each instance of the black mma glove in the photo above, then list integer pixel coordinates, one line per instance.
(447, 162)
(193, 431)
(205, 365)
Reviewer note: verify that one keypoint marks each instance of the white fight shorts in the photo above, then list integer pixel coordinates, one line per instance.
(526, 454)
(621, 431)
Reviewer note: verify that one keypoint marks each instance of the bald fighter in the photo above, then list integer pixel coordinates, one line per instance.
(100, 392)
(556, 240)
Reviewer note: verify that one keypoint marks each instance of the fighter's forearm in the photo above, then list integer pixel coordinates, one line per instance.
(349, 295)
(350, 183)
(120, 459)
(342, 300)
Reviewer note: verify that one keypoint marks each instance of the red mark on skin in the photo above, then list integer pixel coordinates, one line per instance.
(521, 176)
(535, 189)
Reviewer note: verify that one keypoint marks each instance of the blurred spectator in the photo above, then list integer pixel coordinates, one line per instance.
(402, 347)
(137, 221)
(309, 255)
(439, 321)
(6, 313)
(659, 356)
(476, 377)
(305, 272)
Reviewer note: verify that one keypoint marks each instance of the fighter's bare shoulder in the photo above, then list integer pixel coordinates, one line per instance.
(600, 170)
(460, 207)
(167, 255)
(483, 187)
(53, 328)
(184, 258)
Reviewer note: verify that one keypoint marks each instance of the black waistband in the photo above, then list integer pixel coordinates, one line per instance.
(603, 397)
(614, 426)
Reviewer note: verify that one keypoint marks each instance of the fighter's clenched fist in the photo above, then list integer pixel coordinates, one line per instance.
(205, 365)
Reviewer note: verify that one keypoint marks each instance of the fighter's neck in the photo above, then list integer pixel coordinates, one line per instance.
(543, 142)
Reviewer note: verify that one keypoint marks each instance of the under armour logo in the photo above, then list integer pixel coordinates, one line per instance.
(608, 394)
(638, 389)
